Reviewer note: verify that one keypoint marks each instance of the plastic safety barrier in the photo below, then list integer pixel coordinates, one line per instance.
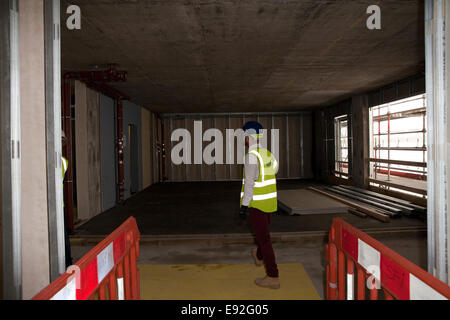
(107, 272)
(380, 272)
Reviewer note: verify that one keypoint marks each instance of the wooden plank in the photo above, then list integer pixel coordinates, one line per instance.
(377, 204)
(357, 213)
(417, 200)
(385, 197)
(403, 208)
(368, 211)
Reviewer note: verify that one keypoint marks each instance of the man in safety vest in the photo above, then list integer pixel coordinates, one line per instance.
(259, 201)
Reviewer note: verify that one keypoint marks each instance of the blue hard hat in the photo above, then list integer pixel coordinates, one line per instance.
(253, 127)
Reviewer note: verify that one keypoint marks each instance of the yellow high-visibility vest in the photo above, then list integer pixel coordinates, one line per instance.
(64, 166)
(265, 190)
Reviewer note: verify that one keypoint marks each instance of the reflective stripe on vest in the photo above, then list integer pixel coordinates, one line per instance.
(65, 165)
(265, 189)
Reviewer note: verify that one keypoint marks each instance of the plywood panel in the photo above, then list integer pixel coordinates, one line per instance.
(146, 148)
(93, 152)
(222, 170)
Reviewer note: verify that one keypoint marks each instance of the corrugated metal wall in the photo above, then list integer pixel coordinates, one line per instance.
(295, 147)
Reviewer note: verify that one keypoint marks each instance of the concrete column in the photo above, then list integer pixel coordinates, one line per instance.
(35, 241)
(360, 143)
(437, 35)
(11, 162)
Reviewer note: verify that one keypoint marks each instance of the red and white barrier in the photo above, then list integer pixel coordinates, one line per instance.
(378, 268)
(112, 264)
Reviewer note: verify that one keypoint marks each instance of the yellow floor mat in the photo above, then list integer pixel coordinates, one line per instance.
(222, 282)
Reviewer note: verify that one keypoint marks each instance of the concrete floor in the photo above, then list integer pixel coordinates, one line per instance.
(308, 252)
(212, 208)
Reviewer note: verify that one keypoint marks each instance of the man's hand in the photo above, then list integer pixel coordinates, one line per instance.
(243, 212)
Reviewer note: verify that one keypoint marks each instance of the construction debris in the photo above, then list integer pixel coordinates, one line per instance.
(362, 208)
(376, 205)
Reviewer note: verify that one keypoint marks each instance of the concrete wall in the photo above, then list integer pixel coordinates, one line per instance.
(294, 155)
(35, 247)
(108, 152)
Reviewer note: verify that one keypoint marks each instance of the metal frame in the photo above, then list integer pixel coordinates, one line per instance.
(376, 121)
(53, 135)
(339, 164)
(11, 162)
(437, 15)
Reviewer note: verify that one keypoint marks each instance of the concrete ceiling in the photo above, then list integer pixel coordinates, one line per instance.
(246, 56)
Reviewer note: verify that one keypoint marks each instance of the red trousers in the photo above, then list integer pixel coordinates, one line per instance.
(260, 222)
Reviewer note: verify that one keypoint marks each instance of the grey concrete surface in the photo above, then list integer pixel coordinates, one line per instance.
(246, 56)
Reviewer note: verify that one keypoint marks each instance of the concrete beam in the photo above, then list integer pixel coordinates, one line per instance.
(437, 33)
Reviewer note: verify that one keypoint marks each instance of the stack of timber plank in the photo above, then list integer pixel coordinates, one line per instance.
(376, 205)
(305, 202)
